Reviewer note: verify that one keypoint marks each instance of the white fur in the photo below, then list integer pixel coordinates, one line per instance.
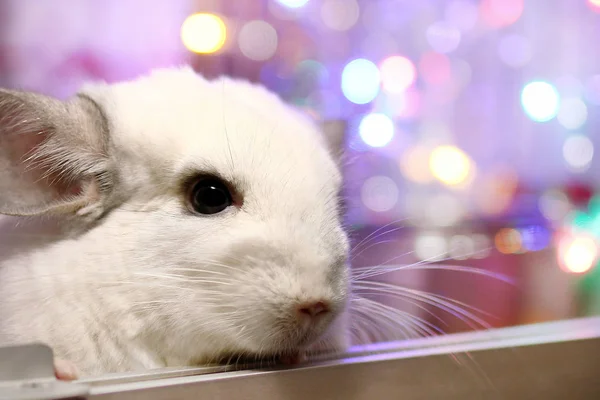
(152, 285)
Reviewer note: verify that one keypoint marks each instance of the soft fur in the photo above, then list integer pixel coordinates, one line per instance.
(112, 269)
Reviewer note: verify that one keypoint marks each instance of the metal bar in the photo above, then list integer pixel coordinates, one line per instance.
(550, 361)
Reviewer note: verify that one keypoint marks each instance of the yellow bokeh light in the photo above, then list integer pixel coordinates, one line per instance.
(413, 164)
(579, 255)
(450, 165)
(203, 33)
(508, 241)
(595, 3)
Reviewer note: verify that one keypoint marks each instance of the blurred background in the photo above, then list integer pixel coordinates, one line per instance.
(471, 128)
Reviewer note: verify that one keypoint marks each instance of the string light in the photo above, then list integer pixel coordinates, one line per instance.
(540, 100)
(578, 152)
(577, 254)
(431, 247)
(594, 5)
(360, 81)
(340, 15)
(379, 193)
(293, 3)
(376, 130)
(449, 165)
(397, 74)
(257, 40)
(508, 241)
(499, 13)
(443, 37)
(572, 113)
(203, 33)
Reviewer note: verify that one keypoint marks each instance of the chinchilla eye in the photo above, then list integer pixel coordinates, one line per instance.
(210, 196)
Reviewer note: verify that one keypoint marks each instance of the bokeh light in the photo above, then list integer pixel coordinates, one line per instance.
(572, 113)
(554, 204)
(414, 164)
(340, 15)
(443, 37)
(500, 13)
(203, 33)
(461, 247)
(293, 3)
(404, 105)
(376, 130)
(257, 40)
(594, 5)
(379, 193)
(450, 165)
(496, 191)
(578, 152)
(483, 245)
(508, 241)
(577, 254)
(360, 81)
(461, 14)
(444, 210)
(397, 74)
(540, 100)
(514, 50)
(535, 237)
(435, 68)
(431, 247)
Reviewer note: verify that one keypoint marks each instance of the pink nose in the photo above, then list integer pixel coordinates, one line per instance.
(313, 309)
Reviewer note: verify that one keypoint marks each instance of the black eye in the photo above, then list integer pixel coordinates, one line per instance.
(210, 196)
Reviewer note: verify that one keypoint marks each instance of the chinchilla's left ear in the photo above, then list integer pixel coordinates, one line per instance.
(53, 155)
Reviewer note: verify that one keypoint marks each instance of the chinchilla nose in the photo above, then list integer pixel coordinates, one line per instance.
(313, 310)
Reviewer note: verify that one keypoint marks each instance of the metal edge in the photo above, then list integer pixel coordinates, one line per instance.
(535, 334)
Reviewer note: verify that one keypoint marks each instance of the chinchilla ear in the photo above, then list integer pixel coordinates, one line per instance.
(334, 132)
(53, 155)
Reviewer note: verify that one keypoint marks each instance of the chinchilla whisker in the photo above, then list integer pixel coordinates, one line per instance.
(451, 306)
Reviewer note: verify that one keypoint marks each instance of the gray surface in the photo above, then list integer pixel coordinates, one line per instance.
(546, 361)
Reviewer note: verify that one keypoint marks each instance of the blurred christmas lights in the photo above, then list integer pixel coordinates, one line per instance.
(360, 81)
(554, 204)
(293, 3)
(444, 210)
(443, 37)
(435, 68)
(578, 152)
(461, 247)
(594, 5)
(376, 130)
(577, 254)
(572, 113)
(340, 15)
(482, 245)
(203, 33)
(379, 193)
(500, 13)
(431, 247)
(508, 241)
(257, 40)
(414, 164)
(496, 191)
(535, 237)
(449, 165)
(540, 100)
(397, 74)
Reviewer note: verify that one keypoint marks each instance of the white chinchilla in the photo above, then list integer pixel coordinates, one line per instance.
(169, 221)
